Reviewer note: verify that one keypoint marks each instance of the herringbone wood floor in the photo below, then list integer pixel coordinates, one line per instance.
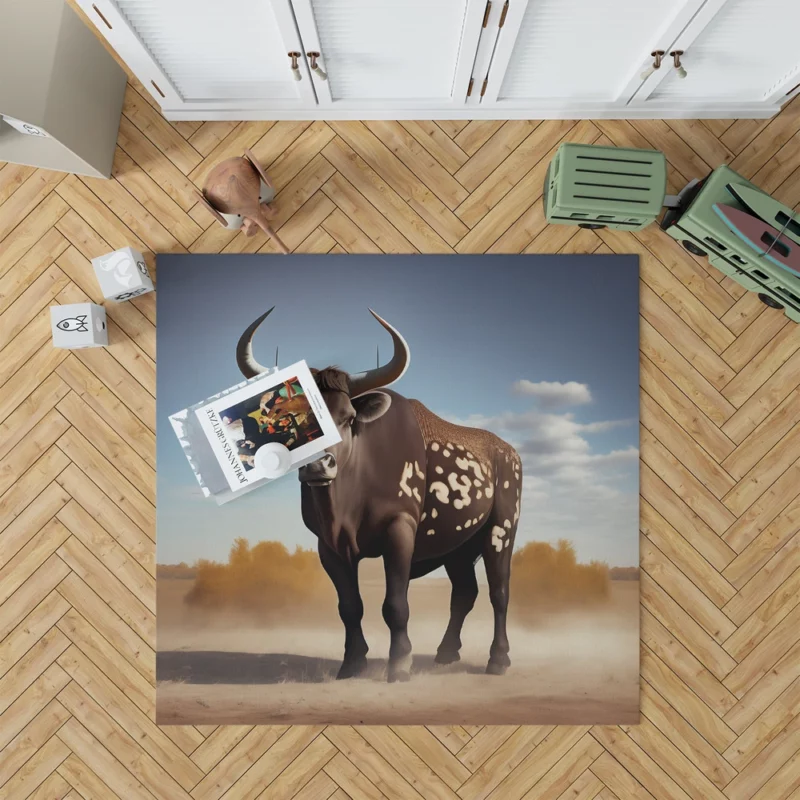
(720, 550)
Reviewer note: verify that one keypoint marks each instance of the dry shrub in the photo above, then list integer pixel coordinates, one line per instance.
(547, 578)
(624, 573)
(265, 580)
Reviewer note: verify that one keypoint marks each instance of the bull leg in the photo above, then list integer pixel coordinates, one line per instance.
(351, 610)
(498, 571)
(397, 566)
(461, 571)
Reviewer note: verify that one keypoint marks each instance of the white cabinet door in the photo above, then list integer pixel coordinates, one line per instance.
(208, 54)
(570, 54)
(734, 50)
(391, 54)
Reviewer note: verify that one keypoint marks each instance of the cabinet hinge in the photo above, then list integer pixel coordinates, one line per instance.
(503, 15)
(483, 88)
(486, 13)
(469, 88)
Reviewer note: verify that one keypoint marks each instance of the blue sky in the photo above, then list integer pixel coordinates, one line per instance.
(543, 350)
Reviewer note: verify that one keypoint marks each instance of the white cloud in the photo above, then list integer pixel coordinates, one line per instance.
(551, 443)
(553, 393)
(606, 425)
(628, 455)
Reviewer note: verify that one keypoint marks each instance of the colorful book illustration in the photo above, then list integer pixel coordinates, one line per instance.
(763, 238)
(768, 209)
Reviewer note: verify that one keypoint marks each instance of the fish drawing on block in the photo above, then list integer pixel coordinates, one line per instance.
(77, 324)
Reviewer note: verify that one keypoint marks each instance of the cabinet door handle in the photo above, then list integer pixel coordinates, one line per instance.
(676, 59)
(657, 56)
(295, 67)
(315, 68)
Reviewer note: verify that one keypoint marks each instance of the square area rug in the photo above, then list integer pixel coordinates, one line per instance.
(468, 553)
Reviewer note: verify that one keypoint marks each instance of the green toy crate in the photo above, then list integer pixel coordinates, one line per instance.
(598, 187)
(702, 232)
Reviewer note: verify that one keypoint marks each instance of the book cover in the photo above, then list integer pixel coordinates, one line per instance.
(284, 407)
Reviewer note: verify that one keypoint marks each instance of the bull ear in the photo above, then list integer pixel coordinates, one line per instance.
(371, 406)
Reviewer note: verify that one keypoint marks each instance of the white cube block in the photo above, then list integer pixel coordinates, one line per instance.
(78, 325)
(122, 274)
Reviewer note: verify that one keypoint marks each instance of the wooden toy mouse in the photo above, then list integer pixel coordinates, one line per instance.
(237, 192)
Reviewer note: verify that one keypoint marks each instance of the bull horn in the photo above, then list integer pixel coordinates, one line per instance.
(363, 382)
(244, 349)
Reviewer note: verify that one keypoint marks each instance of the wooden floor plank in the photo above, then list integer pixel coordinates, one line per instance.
(12, 176)
(159, 131)
(31, 629)
(141, 186)
(31, 266)
(120, 743)
(493, 152)
(36, 770)
(31, 702)
(25, 199)
(28, 233)
(109, 627)
(769, 614)
(85, 782)
(407, 212)
(103, 769)
(686, 738)
(108, 550)
(420, 162)
(437, 143)
(680, 409)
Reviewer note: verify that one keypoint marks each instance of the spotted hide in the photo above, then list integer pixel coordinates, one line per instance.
(472, 483)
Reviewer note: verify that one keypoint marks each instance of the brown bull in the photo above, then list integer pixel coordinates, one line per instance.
(415, 490)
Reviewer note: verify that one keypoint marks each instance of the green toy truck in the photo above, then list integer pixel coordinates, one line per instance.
(696, 225)
(605, 187)
(597, 187)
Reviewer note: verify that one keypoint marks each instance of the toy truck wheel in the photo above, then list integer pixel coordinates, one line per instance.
(592, 226)
(769, 301)
(693, 248)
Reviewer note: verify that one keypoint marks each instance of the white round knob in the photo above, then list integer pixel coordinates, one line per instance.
(676, 56)
(272, 460)
(648, 72)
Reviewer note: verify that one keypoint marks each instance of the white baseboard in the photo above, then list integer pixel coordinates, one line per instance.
(649, 111)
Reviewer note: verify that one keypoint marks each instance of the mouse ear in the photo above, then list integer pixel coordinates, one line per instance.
(214, 213)
(248, 154)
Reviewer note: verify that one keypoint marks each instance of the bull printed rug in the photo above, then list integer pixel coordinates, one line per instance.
(467, 553)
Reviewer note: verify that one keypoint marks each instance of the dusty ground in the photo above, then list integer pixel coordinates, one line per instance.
(569, 668)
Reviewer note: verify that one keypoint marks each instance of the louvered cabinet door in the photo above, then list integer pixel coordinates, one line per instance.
(390, 54)
(577, 54)
(231, 56)
(741, 51)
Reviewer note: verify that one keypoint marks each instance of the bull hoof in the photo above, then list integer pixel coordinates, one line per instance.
(493, 668)
(352, 669)
(399, 676)
(447, 657)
